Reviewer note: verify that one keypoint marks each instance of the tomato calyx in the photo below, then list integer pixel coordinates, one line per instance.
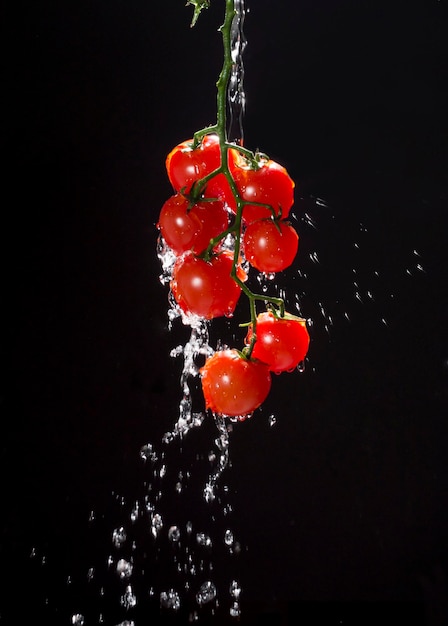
(285, 315)
(249, 160)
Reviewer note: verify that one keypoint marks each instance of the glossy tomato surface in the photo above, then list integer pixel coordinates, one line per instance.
(178, 227)
(206, 288)
(185, 166)
(233, 385)
(270, 184)
(270, 246)
(191, 229)
(282, 343)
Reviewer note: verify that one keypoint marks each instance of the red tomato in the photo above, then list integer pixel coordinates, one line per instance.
(184, 165)
(218, 187)
(282, 343)
(191, 230)
(270, 184)
(206, 288)
(233, 385)
(270, 246)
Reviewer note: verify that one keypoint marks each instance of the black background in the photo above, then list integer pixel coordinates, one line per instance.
(343, 503)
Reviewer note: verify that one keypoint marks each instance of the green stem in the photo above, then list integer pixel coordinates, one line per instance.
(220, 128)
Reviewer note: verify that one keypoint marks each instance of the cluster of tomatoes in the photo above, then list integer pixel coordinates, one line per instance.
(218, 223)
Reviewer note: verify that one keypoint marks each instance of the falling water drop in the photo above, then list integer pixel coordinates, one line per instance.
(128, 599)
(147, 453)
(174, 534)
(156, 524)
(228, 537)
(119, 537)
(204, 540)
(206, 593)
(170, 600)
(124, 568)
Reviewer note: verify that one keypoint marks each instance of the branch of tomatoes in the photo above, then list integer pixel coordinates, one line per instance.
(228, 213)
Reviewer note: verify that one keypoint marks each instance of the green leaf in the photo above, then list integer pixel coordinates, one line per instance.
(198, 6)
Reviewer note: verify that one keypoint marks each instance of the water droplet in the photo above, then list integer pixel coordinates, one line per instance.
(206, 593)
(174, 533)
(134, 512)
(209, 493)
(235, 589)
(128, 599)
(203, 539)
(119, 536)
(170, 600)
(309, 220)
(124, 569)
(227, 509)
(156, 524)
(235, 610)
(147, 453)
(228, 537)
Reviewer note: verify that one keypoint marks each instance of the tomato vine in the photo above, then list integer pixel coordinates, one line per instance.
(224, 193)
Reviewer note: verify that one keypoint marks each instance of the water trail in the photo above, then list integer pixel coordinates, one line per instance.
(235, 91)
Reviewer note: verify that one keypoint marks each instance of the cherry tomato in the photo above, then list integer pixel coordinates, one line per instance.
(270, 246)
(282, 342)
(218, 186)
(206, 288)
(270, 184)
(184, 165)
(184, 229)
(233, 385)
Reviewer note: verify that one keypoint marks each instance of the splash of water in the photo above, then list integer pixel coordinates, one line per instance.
(236, 96)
